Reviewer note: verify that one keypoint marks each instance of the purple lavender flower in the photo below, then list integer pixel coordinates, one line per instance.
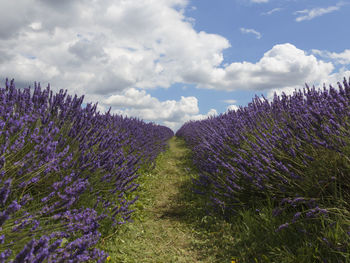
(5, 255)
(285, 225)
(5, 191)
(296, 217)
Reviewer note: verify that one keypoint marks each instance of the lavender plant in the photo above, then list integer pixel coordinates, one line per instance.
(292, 153)
(65, 171)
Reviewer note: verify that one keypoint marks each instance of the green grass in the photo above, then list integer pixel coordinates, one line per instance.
(170, 222)
(173, 224)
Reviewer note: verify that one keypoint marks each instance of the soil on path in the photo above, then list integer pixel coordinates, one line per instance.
(169, 224)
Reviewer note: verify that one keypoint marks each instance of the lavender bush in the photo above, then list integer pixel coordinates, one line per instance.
(291, 153)
(65, 170)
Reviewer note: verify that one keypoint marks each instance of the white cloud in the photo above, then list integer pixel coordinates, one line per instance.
(274, 10)
(232, 108)
(30, 68)
(112, 52)
(211, 113)
(118, 44)
(308, 14)
(250, 31)
(331, 79)
(138, 103)
(259, 1)
(341, 58)
(135, 102)
(287, 90)
(36, 25)
(107, 50)
(282, 66)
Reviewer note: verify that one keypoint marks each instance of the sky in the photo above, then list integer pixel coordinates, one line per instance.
(171, 61)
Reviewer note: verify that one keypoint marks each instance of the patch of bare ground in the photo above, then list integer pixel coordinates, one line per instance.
(169, 223)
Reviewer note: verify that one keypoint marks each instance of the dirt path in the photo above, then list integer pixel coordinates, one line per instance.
(169, 225)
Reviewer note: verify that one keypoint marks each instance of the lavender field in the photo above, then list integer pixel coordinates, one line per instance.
(289, 156)
(271, 177)
(67, 174)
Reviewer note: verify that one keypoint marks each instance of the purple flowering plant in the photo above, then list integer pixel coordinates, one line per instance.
(291, 154)
(67, 173)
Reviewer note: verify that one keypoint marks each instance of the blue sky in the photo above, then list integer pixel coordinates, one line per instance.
(171, 61)
(272, 22)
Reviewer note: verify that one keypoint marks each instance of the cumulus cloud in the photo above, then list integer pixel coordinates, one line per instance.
(259, 1)
(28, 66)
(308, 14)
(282, 66)
(232, 107)
(13, 18)
(341, 58)
(108, 50)
(331, 79)
(135, 102)
(211, 113)
(250, 31)
(112, 52)
(115, 45)
(326, 76)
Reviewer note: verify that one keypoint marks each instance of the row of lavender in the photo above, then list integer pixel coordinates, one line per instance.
(293, 151)
(66, 170)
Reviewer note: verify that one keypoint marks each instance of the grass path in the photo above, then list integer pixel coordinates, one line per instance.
(170, 223)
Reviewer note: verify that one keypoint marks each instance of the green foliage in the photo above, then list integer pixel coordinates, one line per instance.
(168, 208)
